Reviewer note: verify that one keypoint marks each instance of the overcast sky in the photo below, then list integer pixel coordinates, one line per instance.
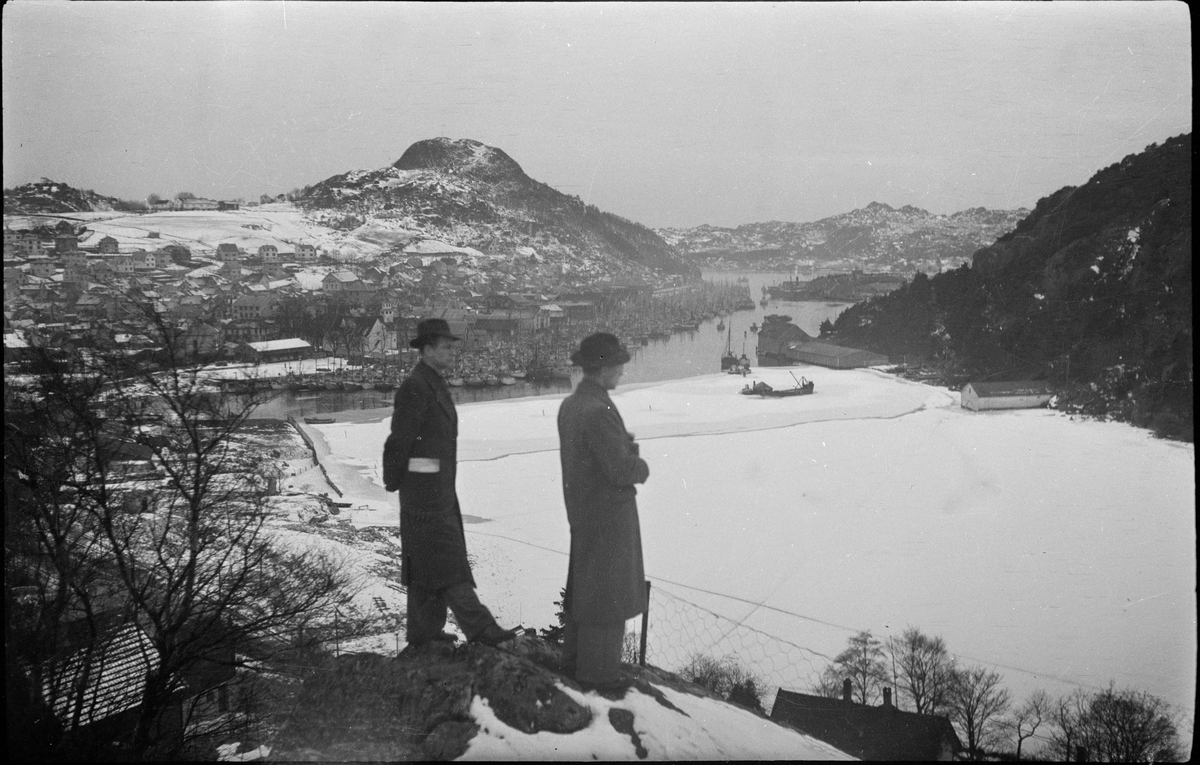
(668, 114)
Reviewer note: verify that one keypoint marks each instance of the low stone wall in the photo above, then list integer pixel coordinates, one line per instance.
(313, 448)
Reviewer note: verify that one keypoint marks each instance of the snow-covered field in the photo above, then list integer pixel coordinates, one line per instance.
(1060, 552)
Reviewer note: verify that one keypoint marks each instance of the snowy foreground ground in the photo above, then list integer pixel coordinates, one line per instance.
(1059, 552)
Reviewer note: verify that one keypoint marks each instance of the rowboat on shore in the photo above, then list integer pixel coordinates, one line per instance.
(318, 420)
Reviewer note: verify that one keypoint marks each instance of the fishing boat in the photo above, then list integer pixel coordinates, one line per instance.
(803, 387)
(518, 373)
(507, 380)
(728, 361)
(491, 380)
(473, 381)
(456, 382)
(318, 420)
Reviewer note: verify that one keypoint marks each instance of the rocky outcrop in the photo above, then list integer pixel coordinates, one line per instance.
(417, 705)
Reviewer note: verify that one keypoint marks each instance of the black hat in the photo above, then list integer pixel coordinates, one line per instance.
(429, 331)
(600, 350)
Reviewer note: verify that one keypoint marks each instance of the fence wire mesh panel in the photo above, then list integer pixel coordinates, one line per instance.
(679, 631)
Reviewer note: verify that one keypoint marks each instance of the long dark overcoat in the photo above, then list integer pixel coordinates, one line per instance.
(425, 424)
(600, 465)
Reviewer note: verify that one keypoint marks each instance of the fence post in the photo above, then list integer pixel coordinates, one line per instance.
(645, 626)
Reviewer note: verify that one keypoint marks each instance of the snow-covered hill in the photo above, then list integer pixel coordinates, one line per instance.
(469, 194)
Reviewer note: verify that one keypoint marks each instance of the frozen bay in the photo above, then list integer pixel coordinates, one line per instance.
(1060, 552)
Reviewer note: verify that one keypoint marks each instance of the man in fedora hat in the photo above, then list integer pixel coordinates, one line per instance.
(420, 460)
(600, 465)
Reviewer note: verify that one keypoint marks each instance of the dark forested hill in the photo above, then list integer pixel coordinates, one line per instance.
(1093, 290)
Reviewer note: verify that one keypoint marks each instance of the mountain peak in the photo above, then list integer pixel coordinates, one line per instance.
(458, 155)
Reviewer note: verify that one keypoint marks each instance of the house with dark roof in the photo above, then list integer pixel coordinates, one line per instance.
(868, 732)
(776, 337)
(1017, 394)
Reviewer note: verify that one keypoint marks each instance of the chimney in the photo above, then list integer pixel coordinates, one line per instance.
(847, 688)
(887, 697)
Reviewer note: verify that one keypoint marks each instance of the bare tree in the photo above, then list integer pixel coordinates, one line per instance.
(924, 670)
(1068, 718)
(978, 702)
(1131, 726)
(139, 506)
(862, 662)
(1027, 718)
(829, 684)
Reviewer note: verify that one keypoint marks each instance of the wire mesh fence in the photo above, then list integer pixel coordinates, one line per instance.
(678, 631)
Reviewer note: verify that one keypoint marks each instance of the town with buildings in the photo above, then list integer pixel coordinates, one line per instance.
(69, 285)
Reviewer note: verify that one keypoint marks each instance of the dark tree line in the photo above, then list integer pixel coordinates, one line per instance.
(1107, 726)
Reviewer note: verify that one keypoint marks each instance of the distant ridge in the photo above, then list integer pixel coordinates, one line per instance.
(884, 237)
(47, 196)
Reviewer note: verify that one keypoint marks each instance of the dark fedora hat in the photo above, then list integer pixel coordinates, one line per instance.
(600, 350)
(428, 332)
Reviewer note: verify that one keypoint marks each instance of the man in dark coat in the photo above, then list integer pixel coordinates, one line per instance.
(420, 460)
(600, 465)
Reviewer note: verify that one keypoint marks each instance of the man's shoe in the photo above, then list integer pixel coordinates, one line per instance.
(494, 635)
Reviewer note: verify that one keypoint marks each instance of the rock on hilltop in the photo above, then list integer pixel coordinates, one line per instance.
(47, 196)
(474, 702)
(473, 195)
(878, 234)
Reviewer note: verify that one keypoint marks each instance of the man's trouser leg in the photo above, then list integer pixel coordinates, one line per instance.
(427, 611)
(426, 614)
(593, 650)
(472, 616)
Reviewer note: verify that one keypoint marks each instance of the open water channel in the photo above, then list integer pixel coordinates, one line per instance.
(685, 354)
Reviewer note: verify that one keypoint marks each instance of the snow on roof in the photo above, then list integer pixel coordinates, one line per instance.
(113, 677)
(293, 343)
(1012, 388)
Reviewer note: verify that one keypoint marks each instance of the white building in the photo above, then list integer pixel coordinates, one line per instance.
(1019, 394)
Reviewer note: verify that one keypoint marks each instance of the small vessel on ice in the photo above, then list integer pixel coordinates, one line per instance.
(804, 387)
